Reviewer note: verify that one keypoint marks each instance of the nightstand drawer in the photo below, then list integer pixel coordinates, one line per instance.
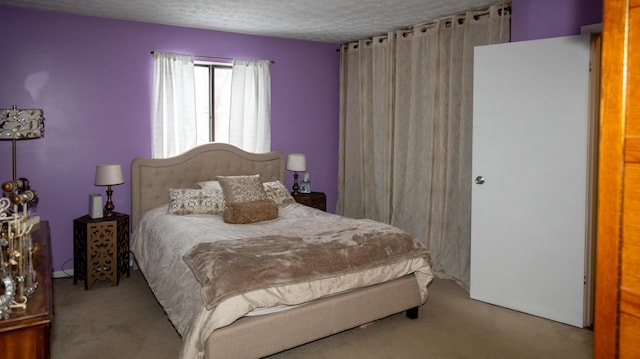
(317, 200)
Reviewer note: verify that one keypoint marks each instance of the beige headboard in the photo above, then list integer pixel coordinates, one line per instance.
(151, 178)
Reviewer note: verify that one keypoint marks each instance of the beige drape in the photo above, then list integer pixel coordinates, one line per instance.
(406, 131)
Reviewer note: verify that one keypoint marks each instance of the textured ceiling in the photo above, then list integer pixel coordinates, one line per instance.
(334, 21)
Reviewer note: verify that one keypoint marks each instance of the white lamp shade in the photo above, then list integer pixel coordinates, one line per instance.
(108, 175)
(296, 162)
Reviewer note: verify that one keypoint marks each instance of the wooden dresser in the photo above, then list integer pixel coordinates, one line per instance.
(25, 334)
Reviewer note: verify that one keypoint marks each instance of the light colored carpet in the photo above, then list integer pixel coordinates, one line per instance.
(127, 322)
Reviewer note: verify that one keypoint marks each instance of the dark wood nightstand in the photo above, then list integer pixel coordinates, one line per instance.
(317, 200)
(100, 249)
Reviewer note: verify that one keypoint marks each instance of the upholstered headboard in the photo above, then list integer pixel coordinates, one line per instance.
(151, 178)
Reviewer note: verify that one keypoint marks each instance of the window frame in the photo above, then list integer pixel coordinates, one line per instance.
(212, 66)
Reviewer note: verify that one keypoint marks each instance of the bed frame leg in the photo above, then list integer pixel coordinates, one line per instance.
(412, 313)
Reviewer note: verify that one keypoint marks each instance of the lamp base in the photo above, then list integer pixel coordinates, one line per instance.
(296, 188)
(109, 207)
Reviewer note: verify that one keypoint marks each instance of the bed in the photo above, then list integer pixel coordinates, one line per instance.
(265, 319)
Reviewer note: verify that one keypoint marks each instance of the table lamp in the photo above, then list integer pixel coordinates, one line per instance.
(296, 162)
(108, 175)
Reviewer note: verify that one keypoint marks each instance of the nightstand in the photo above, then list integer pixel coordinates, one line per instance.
(100, 249)
(317, 200)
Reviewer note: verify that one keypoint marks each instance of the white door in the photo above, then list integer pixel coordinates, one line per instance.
(530, 144)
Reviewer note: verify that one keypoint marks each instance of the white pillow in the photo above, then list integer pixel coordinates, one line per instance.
(210, 185)
(278, 193)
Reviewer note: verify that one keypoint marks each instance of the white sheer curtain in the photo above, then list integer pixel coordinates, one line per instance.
(405, 131)
(250, 115)
(173, 112)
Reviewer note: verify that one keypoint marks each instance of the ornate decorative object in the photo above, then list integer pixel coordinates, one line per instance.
(18, 279)
(16, 267)
(6, 299)
(102, 261)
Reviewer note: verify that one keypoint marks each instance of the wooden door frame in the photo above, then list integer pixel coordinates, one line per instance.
(610, 177)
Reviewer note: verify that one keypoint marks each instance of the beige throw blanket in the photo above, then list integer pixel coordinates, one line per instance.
(228, 268)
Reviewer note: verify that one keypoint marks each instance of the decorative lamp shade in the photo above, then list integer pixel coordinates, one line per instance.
(296, 162)
(18, 124)
(107, 175)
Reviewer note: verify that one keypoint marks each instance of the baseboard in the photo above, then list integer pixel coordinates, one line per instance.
(62, 274)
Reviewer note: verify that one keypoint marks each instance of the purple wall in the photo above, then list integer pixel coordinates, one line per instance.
(92, 78)
(539, 19)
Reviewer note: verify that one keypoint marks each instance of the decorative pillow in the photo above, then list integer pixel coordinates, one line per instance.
(238, 189)
(250, 212)
(278, 192)
(210, 185)
(274, 190)
(195, 201)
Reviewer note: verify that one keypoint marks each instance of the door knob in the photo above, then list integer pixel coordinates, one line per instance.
(479, 180)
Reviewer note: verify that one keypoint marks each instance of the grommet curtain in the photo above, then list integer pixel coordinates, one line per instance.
(406, 131)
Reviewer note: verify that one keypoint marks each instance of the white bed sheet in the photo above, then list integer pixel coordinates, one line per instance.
(160, 242)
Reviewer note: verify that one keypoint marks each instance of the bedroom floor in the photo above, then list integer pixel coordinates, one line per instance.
(127, 322)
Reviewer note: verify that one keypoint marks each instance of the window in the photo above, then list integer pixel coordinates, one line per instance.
(174, 124)
(213, 101)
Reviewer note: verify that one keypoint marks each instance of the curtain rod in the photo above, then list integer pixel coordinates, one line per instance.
(505, 9)
(216, 58)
